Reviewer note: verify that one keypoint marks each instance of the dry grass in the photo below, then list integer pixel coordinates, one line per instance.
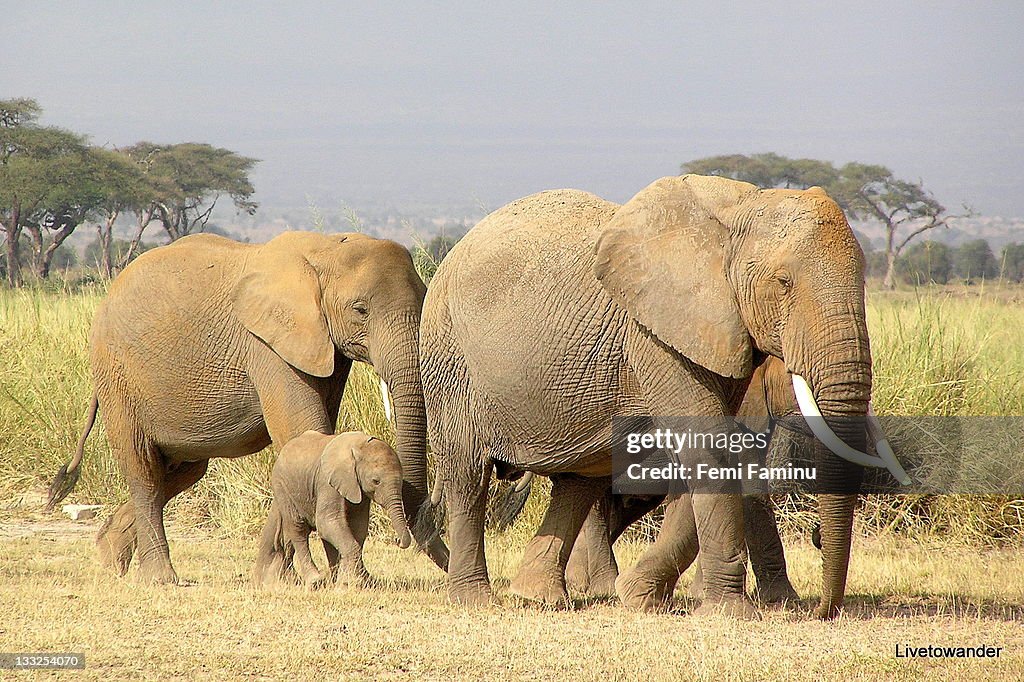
(56, 598)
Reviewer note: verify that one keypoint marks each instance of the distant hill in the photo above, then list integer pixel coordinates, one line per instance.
(997, 231)
(419, 224)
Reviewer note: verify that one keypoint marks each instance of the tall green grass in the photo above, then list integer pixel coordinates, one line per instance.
(937, 351)
(948, 352)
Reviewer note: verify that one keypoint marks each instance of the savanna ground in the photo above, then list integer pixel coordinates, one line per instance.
(936, 570)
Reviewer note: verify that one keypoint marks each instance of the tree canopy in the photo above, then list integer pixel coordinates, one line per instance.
(52, 180)
(193, 177)
(48, 179)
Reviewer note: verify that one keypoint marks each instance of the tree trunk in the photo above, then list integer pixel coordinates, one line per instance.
(890, 271)
(106, 231)
(59, 237)
(143, 219)
(13, 230)
(35, 235)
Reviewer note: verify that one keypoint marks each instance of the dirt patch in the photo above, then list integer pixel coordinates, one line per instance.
(46, 525)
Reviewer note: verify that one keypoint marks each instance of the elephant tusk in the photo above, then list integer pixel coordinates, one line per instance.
(524, 482)
(385, 396)
(435, 494)
(815, 420)
(884, 450)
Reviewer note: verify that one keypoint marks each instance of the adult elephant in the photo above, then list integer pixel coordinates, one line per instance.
(212, 348)
(562, 310)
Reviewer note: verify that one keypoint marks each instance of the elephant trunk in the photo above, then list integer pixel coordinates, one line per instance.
(392, 503)
(840, 378)
(400, 368)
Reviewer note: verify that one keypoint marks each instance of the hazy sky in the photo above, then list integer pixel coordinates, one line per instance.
(469, 101)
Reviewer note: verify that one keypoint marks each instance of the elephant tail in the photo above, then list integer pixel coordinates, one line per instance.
(65, 480)
(510, 502)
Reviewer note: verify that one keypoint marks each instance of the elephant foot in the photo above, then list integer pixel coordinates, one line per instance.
(643, 593)
(470, 594)
(697, 586)
(540, 587)
(775, 591)
(158, 573)
(313, 579)
(827, 611)
(116, 541)
(602, 585)
(733, 606)
(577, 578)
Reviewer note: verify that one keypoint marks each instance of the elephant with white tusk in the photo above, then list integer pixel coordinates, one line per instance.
(212, 348)
(562, 310)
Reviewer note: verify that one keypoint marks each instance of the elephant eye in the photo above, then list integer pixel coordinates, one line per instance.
(375, 481)
(785, 282)
(360, 308)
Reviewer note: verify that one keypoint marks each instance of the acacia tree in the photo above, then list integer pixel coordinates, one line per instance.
(75, 192)
(194, 176)
(905, 209)
(37, 166)
(126, 188)
(866, 192)
(767, 170)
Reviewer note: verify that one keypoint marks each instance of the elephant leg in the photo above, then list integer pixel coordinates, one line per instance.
(350, 568)
(767, 556)
(719, 521)
(649, 585)
(466, 497)
(274, 557)
(297, 535)
(290, 407)
(332, 554)
(541, 575)
(116, 541)
(592, 568)
(149, 495)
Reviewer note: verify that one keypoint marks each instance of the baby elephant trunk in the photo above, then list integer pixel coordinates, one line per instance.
(396, 511)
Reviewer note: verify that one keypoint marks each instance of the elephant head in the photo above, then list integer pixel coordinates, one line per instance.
(357, 465)
(718, 269)
(309, 296)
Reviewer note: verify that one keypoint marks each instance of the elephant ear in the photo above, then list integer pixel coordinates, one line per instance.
(278, 300)
(663, 257)
(339, 460)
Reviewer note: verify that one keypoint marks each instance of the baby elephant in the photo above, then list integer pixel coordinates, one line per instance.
(325, 483)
